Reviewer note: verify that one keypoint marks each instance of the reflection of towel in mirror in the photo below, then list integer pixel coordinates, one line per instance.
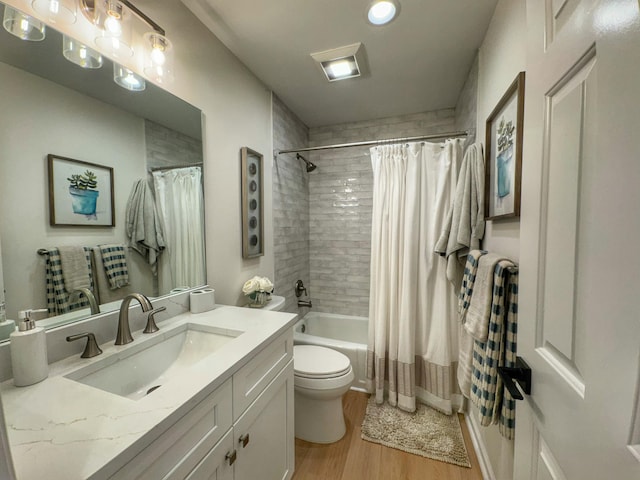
(465, 223)
(114, 261)
(143, 226)
(58, 300)
(76, 267)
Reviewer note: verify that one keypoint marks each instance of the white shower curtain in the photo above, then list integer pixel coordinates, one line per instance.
(179, 199)
(413, 344)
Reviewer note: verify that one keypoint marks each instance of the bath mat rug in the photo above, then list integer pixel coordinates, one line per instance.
(425, 432)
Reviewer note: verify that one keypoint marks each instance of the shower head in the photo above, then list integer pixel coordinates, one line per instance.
(310, 166)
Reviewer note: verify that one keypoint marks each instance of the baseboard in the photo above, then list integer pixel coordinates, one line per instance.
(479, 447)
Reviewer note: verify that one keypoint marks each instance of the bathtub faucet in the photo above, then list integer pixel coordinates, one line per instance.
(304, 303)
(300, 288)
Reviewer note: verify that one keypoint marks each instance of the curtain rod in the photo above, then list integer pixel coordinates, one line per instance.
(173, 167)
(376, 142)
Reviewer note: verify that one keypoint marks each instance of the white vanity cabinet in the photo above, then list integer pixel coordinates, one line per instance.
(241, 431)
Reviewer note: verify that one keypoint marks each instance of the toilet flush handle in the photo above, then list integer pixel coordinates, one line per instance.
(244, 440)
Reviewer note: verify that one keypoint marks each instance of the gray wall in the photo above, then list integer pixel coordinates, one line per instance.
(340, 205)
(290, 205)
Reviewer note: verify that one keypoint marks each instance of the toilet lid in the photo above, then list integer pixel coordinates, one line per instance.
(312, 361)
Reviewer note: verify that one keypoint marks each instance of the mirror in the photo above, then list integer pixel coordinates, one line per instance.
(52, 106)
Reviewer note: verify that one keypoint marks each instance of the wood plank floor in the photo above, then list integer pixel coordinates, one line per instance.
(352, 458)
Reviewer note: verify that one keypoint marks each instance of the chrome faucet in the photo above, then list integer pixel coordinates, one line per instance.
(124, 331)
(93, 304)
(304, 303)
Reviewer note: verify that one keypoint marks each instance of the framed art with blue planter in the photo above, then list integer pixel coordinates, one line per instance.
(503, 164)
(80, 193)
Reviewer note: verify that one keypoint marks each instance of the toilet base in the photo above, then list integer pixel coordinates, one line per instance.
(319, 421)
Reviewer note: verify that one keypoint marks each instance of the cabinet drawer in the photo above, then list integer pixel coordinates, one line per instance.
(186, 442)
(252, 379)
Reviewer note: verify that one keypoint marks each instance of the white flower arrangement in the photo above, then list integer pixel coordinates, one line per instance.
(256, 285)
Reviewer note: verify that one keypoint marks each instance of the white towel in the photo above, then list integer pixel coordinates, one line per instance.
(465, 341)
(464, 227)
(75, 269)
(143, 226)
(476, 321)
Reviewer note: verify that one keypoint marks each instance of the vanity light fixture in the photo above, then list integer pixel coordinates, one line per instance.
(381, 12)
(115, 34)
(56, 11)
(80, 54)
(159, 58)
(115, 19)
(340, 63)
(22, 25)
(128, 79)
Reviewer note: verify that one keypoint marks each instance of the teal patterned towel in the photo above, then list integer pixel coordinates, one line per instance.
(499, 350)
(57, 296)
(114, 259)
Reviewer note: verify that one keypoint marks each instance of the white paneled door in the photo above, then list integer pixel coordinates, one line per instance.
(579, 326)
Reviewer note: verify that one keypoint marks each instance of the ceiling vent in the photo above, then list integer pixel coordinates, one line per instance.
(341, 63)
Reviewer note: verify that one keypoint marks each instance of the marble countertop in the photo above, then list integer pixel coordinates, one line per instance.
(63, 429)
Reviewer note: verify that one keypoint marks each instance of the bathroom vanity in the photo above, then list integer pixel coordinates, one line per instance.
(223, 410)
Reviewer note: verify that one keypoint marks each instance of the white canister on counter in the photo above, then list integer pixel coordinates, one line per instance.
(202, 300)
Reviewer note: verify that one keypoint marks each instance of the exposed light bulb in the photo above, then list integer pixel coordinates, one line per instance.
(131, 80)
(157, 56)
(54, 7)
(24, 25)
(112, 25)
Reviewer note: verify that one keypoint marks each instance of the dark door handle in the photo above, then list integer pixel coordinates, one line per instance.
(521, 373)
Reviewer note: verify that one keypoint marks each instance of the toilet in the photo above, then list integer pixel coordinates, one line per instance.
(321, 377)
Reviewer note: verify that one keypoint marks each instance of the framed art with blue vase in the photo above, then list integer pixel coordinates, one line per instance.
(503, 165)
(80, 193)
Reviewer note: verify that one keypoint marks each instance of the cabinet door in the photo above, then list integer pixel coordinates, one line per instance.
(254, 377)
(264, 435)
(215, 465)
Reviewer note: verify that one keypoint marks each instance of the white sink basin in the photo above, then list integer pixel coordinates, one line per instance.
(142, 368)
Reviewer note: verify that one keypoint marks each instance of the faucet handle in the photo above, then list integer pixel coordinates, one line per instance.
(91, 349)
(151, 323)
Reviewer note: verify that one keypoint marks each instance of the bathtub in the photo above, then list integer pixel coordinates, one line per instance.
(344, 333)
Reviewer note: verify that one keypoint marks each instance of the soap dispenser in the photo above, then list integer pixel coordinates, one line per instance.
(28, 352)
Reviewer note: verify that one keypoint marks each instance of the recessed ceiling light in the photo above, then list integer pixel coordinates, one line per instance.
(381, 12)
(340, 63)
(341, 69)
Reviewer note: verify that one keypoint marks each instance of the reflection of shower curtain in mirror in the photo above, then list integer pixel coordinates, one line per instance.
(179, 199)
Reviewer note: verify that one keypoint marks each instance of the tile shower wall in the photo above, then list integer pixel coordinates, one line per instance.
(290, 205)
(467, 106)
(340, 205)
(167, 148)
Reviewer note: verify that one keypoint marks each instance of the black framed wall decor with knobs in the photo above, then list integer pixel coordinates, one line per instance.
(252, 203)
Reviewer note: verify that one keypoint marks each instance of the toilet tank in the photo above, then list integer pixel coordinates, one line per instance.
(276, 303)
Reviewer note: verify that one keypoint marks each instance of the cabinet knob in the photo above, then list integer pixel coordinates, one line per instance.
(231, 457)
(244, 440)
